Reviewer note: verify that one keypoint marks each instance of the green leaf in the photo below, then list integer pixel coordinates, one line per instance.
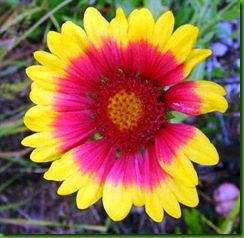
(232, 14)
(13, 205)
(11, 127)
(23, 222)
(6, 184)
(127, 6)
(198, 72)
(229, 222)
(12, 3)
(219, 72)
(154, 6)
(177, 116)
(183, 16)
(192, 218)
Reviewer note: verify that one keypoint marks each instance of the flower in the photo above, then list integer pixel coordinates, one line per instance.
(104, 97)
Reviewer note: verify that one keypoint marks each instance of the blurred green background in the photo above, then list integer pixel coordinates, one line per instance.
(30, 205)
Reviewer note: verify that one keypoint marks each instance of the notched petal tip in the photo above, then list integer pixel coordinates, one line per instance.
(212, 95)
(210, 86)
(96, 26)
(200, 150)
(68, 25)
(51, 35)
(141, 25)
(38, 53)
(196, 97)
(45, 154)
(48, 175)
(91, 10)
(208, 52)
(30, 71)
(117, 201)
(194, 58)
(120, 11)
(25, 142)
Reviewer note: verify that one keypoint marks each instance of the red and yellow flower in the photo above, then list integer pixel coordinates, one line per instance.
(103, 99)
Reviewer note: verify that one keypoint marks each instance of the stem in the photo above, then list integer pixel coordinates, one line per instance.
(216, 20)
(44, 18)
(211, 224)
(24, 222)
(19, 18)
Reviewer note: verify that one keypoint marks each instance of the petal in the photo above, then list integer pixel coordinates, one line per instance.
(118, 28)
(152, 175)
(172, 72)
(89, 165)
(168, 200)
(89, 193)
(41, 96)
(157, 190)
(153, 206)
(50, 61)
(47, 150)
(190, 141)
(72, 184)
(182, 41)
(43, 76)
(40, 140)
(184, 194)
(200, 150)
(83, 73)
(141, 25)
(196, 97)
(73, 129)
(195, 57)
(173, 160)
(71, 121)
(75, 136)
(145, 59)
(62, 132)
(122, 187)
(63, 46)
(117, 200)
(96, 26)
(75, 79)
(45, 154)
(59, 101)
(163, 29)
(62, 169)
(39, 118)
(75, 33)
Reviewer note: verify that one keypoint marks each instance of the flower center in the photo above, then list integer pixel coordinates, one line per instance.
(128, 111)
(125, 109)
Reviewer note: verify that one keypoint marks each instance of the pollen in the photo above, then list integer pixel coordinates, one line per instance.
(129, 110)
(125, 110)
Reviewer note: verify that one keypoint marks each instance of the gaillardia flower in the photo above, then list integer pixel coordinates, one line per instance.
(104, 99)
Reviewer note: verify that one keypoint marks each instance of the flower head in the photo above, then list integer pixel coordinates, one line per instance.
(104, 97)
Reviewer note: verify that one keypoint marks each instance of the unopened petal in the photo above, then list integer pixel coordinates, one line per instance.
(196, 97)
